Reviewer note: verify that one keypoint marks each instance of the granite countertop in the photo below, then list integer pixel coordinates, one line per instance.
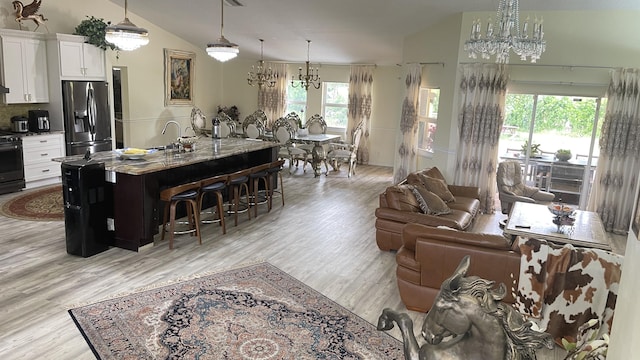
(205, 149)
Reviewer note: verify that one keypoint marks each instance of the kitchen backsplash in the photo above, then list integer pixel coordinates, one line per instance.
(7, 111)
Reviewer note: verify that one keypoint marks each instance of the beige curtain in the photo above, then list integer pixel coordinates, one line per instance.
(612, 196)
(482, 93)
(360, 85)
(273, 100)
(405, 160)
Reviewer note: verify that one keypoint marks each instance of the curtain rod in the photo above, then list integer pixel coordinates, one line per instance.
(555, 65)
(319, 63)
(424, 63)
(568, 83)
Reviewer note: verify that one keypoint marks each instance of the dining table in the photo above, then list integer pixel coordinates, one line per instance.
(317, 152)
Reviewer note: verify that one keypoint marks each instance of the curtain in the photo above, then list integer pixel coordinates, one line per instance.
(612, 196)
(405, 160)
(482, 92)
(273, 100)
(360, 85)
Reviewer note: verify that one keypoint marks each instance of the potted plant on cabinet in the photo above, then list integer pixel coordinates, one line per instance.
(94, 30)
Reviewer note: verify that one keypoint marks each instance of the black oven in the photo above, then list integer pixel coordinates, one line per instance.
(11, 164)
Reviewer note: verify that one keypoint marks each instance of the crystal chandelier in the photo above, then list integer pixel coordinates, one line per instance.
(310, 78)
(259, 75)
(505, 35)
(222, 50)
(125, 35)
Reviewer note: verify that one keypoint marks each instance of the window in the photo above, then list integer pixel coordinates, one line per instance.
(335, 104)
(427, 117)
(296, 100)
(551, 123)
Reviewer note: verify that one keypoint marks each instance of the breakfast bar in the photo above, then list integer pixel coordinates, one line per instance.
(136, 181)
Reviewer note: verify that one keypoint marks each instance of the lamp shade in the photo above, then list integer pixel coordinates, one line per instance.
(223, 50)
(126, 36)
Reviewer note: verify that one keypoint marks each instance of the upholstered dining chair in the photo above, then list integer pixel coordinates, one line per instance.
(316, 124)
(253, 127)
(346, 153)
(511, 187)
(293, 119)
(283, 133)
(227, 125)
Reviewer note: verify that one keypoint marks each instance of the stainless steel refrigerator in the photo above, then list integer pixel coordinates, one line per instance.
(87, 117)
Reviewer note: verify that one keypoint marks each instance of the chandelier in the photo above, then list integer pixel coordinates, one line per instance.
(259, 75)
(125, 35)
(222, 50)
(310, 78)
(505, 35)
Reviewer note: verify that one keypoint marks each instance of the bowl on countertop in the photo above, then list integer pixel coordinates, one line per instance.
(133, 153)
(561, 210)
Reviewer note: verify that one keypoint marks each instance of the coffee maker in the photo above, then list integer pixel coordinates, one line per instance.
(39, 121)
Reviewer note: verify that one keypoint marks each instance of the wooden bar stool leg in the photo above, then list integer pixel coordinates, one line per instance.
(172, 225)
(220, 210)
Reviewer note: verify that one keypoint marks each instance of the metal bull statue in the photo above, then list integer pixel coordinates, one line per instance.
(468, 321)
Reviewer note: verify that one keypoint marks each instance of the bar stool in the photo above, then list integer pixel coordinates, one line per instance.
(258, 173)
(275, 169)
(214, 186)
(187, 193)
(237, 182)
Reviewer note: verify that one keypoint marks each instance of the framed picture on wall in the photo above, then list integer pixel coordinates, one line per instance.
(179, 74)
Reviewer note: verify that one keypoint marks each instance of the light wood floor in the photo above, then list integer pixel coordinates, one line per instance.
(324, 236)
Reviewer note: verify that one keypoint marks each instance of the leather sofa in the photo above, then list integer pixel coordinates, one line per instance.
(398, 207)
(429, 256)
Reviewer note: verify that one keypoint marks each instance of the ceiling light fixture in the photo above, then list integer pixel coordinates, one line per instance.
(505, 35)
(310, 78)
(260, 75)
(125, 35)
(222, 50)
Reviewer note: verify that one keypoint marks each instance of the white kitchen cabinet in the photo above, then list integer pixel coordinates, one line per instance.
(24, 67)
(79, 60)
(38, 152)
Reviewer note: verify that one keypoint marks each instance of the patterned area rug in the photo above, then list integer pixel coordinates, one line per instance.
(44, 204)
(255, 312)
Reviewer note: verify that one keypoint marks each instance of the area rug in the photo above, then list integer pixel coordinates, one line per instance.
(254, 312)
(43, 204)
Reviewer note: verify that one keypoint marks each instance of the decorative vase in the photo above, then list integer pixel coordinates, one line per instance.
(563, 156)
(303, 132)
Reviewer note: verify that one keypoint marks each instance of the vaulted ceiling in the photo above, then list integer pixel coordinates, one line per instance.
(341, 31)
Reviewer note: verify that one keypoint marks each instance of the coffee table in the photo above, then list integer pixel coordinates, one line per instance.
(535, 220)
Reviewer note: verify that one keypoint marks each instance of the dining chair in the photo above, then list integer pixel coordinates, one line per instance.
(293, 119)
(346, 153)
(283, 133)
(227, 125)
(253, 127)
(315, 125)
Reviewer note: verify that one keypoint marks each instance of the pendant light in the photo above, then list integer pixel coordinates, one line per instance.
(222, 50)
(125, 35)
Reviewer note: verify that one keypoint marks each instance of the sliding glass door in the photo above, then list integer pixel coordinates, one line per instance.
(555, 139)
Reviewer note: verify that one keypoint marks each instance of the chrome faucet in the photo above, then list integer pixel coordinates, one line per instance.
(164, 130)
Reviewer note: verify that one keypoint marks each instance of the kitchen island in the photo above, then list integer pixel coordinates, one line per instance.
(135, 184)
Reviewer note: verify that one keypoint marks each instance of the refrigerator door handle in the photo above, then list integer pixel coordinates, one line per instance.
(91, 111)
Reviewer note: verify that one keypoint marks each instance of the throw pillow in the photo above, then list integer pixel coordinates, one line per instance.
(433, 172)
(400, 197)
(438, 187)
(415, 179)
(433, 204)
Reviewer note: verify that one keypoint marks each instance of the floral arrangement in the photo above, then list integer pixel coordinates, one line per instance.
(535, 148)
(232, 112)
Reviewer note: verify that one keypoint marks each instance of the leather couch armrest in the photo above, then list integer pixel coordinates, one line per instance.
(465, 191)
